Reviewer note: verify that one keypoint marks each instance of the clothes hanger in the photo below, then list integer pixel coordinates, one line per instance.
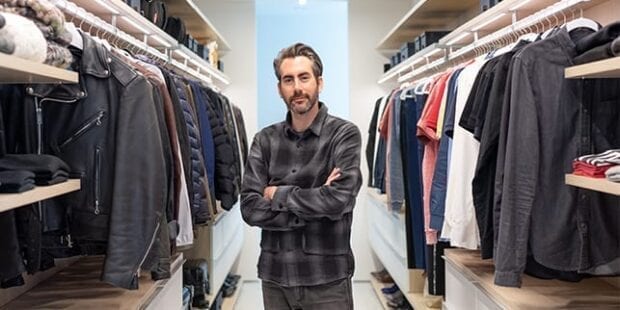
(582, 22)
(76, 38)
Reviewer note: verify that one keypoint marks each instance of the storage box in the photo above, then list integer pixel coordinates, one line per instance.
(417, 44)
(407, 50)
(386, 67)
(430, 37)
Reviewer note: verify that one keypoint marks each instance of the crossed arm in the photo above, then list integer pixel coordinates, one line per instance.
(288, 207)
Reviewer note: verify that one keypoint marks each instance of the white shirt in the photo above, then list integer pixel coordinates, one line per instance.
(460, 217)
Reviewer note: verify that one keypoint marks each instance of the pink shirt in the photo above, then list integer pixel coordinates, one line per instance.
(427, 134)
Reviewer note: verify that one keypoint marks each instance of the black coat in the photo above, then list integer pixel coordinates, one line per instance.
(107, 129)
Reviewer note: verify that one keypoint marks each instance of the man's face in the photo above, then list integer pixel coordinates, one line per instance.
(298, 86)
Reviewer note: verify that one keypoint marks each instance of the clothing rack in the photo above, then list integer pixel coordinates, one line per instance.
(90, 23)
(544, 19)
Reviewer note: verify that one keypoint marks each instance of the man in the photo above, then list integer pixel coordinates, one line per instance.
(300, 184)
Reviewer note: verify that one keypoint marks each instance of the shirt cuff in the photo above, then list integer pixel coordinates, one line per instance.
(278, 203)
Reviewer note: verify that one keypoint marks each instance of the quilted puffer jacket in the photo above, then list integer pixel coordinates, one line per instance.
(225, 188)
(198, 197)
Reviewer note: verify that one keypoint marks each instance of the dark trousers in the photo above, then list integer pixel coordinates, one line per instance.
(336, 295)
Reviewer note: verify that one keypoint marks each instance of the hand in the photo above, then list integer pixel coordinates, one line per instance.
(269, 192)
(335, 174)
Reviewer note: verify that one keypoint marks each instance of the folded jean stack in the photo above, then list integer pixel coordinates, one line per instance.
(21, 172)
(394, 296)
(606, 164)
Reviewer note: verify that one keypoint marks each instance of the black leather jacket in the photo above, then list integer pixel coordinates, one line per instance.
(106, 129)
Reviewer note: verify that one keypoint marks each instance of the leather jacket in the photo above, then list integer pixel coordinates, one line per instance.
(106, 128)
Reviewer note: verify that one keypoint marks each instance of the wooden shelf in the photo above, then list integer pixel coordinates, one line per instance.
(79, 287)
(607, 68)
(229, 302)
(197, 24)
(421, 302)
(428, 15)
(534, 293)
(21, 71)
(600, 185)
(377, 286)
(12, 201)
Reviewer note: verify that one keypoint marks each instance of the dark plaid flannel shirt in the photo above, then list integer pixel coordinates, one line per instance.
(306, 229)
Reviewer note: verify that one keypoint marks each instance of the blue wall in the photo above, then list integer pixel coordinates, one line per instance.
(320, 24)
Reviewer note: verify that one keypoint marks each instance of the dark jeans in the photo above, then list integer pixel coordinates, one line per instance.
(335, 295)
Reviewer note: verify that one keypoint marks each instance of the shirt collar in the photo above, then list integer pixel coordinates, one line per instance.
(315, 127)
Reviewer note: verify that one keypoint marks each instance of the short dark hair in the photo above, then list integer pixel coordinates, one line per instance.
(298, 49)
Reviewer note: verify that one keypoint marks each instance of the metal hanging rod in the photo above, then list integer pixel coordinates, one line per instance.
(89, 22)
(540, 20)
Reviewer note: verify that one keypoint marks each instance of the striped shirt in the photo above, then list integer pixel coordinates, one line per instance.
(306, 228)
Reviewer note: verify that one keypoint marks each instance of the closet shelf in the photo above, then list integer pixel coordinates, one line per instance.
(21, 71)
(607, 68)
(601, 185)
(427, 15)
(12, 201)
(197, 24)
(534, 292)
(79, 287)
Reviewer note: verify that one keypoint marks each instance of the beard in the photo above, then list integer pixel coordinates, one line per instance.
(300, 103)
